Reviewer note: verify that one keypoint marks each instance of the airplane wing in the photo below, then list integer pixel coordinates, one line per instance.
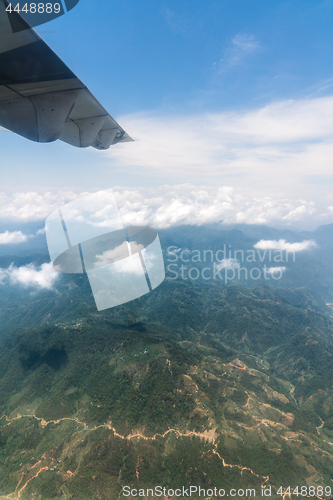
(41, 98)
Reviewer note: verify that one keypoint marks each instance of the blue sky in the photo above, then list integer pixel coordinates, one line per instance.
(194, 56)
(217, 94)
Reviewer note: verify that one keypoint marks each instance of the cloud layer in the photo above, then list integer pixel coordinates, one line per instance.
(267, 165)
(186, 204)
(279, 148)
(173, 205)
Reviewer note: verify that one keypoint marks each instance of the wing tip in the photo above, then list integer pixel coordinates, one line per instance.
(117, 136)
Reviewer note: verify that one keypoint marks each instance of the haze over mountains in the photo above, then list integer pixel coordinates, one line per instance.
(249, 246)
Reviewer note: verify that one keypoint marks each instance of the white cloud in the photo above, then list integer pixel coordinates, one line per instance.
(247, 43)
(296, 214)
(7, 238)
(228, 264)
(30, 276)
(268, 150)
(241, 46)
(118, 253)
(275, 270)
(32, 206)
(284, 245)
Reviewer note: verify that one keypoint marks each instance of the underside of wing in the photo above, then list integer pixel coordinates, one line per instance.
(41, 98)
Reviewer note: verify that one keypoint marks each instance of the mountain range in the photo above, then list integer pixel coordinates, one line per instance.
(202, 382)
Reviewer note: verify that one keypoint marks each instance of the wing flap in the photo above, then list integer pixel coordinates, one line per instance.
(52, 111)
(39, 118)
(87, 105)
(82, 133)
(105, 138)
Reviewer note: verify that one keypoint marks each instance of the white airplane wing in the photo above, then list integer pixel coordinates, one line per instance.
(41, 98)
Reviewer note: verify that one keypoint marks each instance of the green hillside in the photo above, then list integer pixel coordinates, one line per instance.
(226, 387)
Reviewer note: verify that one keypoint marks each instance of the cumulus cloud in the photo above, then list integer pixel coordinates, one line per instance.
(30, 276)
(284, 245)
(7, 238)
(297, 213)
(166, 206)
